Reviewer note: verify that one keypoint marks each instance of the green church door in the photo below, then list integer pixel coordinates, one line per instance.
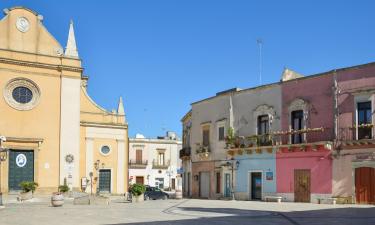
(105, 181)
(21, 168)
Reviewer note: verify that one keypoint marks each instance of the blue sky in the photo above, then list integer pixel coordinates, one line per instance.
(163, 55)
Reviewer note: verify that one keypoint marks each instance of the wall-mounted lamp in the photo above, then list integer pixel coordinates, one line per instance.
(196, 177)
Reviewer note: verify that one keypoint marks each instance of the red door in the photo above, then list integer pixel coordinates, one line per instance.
(365, 185)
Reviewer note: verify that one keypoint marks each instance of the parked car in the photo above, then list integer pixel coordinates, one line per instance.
(155, 193)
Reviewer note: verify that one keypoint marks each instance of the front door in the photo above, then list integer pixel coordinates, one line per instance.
(256, 186)
(227, 185)
(204, 184)
(302, 183)
(365, 185)
(105, 181)
(139, 180)
(21, 168)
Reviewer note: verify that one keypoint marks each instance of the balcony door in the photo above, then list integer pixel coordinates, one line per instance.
(297, 124)
(263, 129)
(138, 156)
(364, 117)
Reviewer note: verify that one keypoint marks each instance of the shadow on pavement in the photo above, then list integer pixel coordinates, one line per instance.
(335, 216)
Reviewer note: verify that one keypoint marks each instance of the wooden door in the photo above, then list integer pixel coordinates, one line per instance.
(173, 184)
(302, 185)
(139, 180)
(204, 184)
(365, 185)
(138, 156)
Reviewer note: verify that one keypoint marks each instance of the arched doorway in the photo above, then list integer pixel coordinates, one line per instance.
(365, 185)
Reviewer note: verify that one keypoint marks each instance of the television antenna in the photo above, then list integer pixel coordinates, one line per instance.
(260, 45)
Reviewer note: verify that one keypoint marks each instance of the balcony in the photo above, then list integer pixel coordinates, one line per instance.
(160, 165)
(185, 153)
(357, 135)
(202, 151)
(138, 164)
(306, 139)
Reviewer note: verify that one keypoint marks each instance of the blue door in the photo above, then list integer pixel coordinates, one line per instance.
(227, 190)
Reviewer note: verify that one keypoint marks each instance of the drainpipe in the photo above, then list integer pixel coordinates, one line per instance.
(336, 109)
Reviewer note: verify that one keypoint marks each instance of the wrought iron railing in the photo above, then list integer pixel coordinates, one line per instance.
(156, 164)
(357, 132)
(308, 135)
(185, 152)
(138, 163)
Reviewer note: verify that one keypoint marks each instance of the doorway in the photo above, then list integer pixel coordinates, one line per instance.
(139, 180)
(105, 180)
(302, 185)
(256, 185)
(204, 184)
(227, 190)
(365, 185)
(21, 168)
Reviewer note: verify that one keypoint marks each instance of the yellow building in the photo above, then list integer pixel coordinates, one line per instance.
(54, 131)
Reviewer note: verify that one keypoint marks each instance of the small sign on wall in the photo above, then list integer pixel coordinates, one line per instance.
(269, 175)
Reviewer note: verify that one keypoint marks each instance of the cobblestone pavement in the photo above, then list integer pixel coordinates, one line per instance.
(165, 212)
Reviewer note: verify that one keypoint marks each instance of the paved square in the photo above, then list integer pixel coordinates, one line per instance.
(190, 211)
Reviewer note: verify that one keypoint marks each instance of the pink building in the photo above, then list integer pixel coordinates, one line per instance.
(354, 159)
(303, 161)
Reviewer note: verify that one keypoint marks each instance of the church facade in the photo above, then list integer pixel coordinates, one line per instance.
(55, 133)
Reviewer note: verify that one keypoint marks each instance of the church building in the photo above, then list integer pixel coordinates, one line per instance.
(54, 131)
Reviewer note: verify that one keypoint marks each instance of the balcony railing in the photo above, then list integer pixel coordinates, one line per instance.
(185, 152)
(282, 138)
(357, 134)
(160, 165)
(138, 163)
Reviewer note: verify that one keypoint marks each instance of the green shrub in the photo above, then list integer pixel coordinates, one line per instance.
(63, 188)
(28, 186)
(137, 189)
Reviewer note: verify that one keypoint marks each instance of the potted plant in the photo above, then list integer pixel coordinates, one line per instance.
(28, 188)
(138, 191)
(229, 139)
(57, 198)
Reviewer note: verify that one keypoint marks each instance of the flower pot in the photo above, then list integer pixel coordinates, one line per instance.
(57, 199)
(139, 198)
(25, 196)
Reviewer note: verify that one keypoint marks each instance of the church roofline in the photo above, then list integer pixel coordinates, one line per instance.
(23, 7)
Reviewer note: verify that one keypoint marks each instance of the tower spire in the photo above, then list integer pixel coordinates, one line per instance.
(71, 47)
(120, 108)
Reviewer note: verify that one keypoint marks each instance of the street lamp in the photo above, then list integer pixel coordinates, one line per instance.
(170, 173)
(3, 157)
(232, 163)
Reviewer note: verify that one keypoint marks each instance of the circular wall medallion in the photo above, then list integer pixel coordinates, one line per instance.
(21, 94)
(21, 160)
(22, 24)
(69, 158)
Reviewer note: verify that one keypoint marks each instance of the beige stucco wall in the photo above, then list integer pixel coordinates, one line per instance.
(36, 55)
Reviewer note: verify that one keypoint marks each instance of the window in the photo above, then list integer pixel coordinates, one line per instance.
(297, 124)
(206, 137)
(263, 129)
(138, 156)
(221, 132)
(364, 117)
(161, 158)
(105, 150)
(22, 95)
(218, 183)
